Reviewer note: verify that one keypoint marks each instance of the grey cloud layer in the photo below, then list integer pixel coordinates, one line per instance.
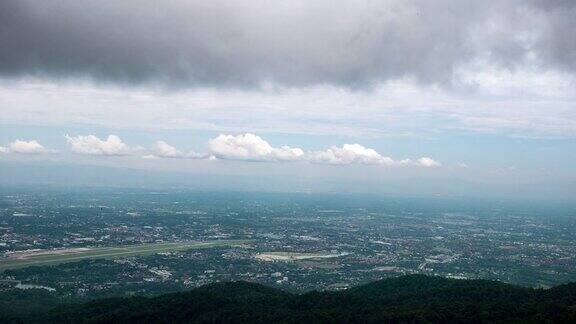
(297, 43)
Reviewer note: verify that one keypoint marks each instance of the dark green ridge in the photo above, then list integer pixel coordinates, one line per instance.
(407, 299)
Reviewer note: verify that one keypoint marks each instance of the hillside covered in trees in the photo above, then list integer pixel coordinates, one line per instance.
(414, 298)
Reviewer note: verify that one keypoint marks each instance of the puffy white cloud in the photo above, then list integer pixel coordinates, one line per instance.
(92, 145)
(25, 147)
(165, 150)
(358, 154)
(245, 147)
(250, 147)
(351, 154)
(428, 162)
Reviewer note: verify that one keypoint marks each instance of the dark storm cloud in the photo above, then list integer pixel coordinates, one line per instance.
(296, 43)
(557, 45)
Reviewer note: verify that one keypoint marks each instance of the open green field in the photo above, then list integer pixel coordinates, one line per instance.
(52, 257)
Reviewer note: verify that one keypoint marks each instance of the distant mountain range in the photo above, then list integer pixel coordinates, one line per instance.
(407, 299)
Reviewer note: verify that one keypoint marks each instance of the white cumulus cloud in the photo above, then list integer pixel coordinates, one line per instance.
(25, 147)
(250, 147)
(428, 162)
(358, 154)
(92, 145)
(165, 150)
(350, 154)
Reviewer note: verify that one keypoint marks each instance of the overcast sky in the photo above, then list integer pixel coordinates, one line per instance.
(434, 97)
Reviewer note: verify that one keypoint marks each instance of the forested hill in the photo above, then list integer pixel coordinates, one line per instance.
(414, 298)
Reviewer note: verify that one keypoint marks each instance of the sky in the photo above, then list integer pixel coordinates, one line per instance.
(411, 97)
